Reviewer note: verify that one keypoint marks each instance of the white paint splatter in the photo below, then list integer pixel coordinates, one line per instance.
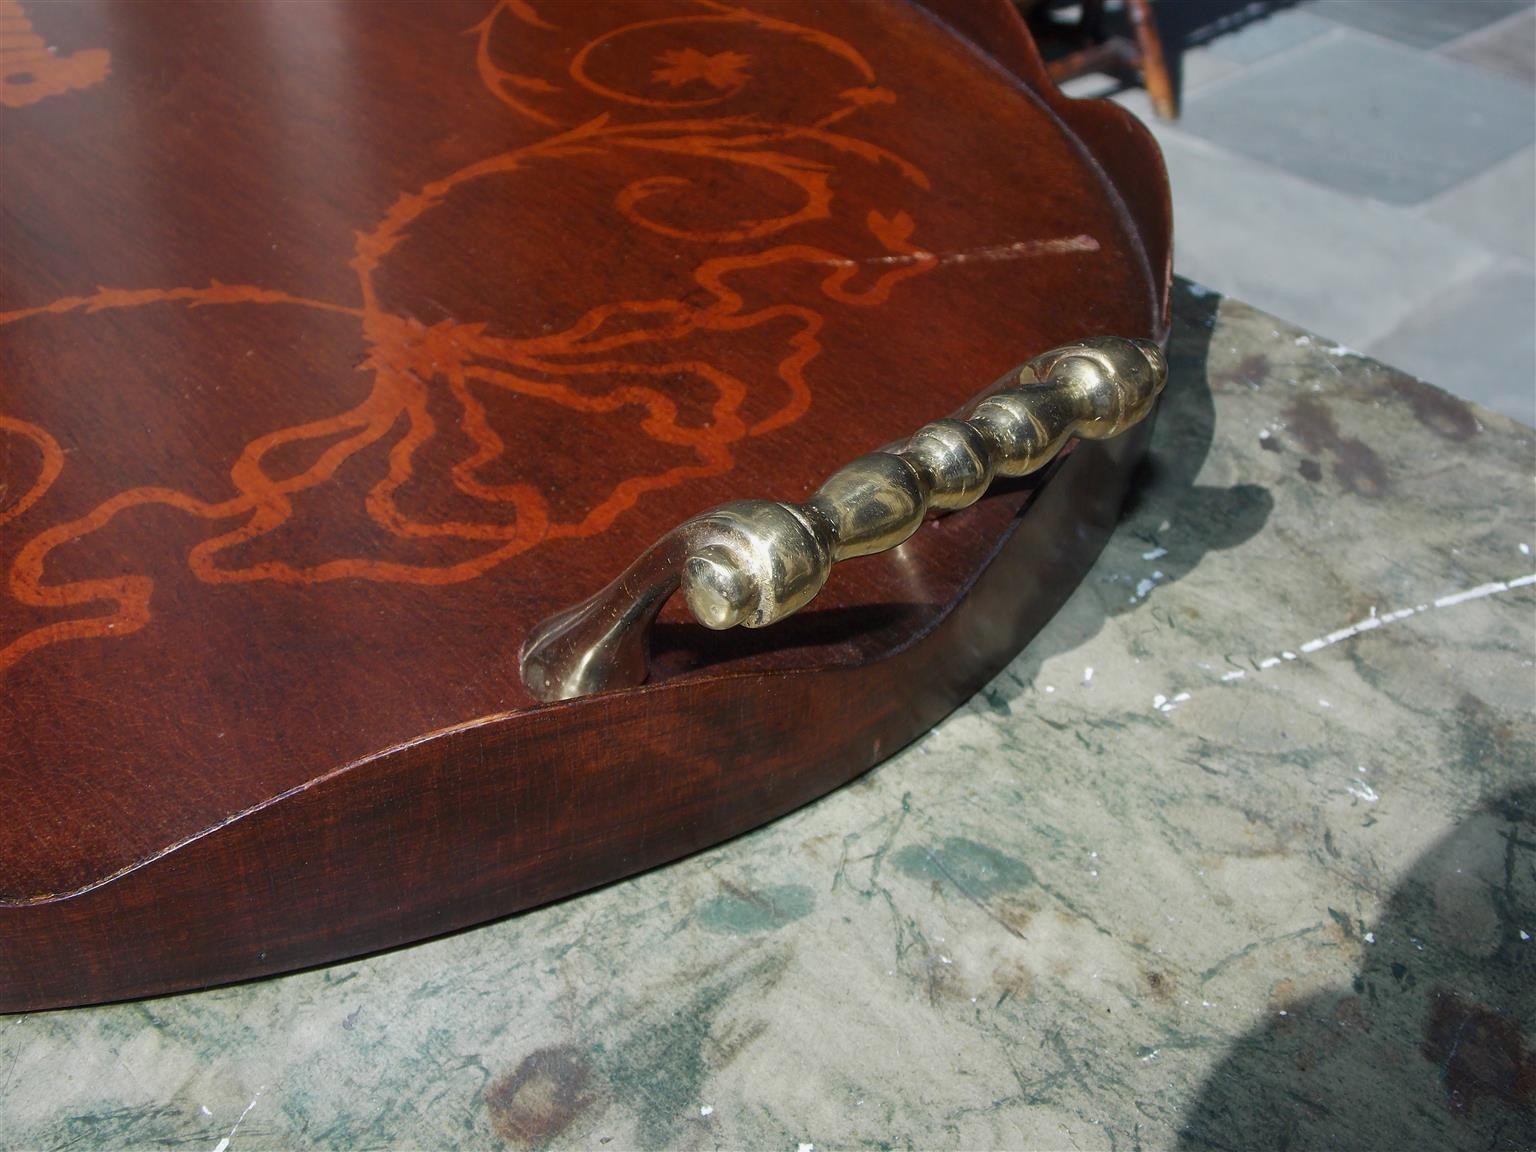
(1145, 586)
(1362, 791)
(1370, 937)
(1155, 554)
(1525, 549)
(1524, 935)
(1019, 249)
(1088, 675)
(1477, 593)
(706, 1110)
(1050, 688)
(223, 1145)
(203, 1108)
(1369, 624)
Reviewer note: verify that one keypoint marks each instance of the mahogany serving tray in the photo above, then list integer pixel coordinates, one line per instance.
(341, 344)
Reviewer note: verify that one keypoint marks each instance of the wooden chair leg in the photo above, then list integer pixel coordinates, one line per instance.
(1154, 65)
(1092, 22)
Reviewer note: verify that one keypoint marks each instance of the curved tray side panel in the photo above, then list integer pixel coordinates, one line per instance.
(1120, 144)
(528, 809)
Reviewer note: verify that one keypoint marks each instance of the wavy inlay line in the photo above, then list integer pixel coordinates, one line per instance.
(619, 357)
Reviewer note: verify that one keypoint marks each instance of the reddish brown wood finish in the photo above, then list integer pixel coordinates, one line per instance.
(338, 347)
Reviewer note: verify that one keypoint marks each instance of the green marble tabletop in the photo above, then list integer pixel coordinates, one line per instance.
(1240, 853)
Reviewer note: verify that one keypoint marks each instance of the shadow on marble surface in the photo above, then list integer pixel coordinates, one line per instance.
(1429, 1046)
(1189, 520)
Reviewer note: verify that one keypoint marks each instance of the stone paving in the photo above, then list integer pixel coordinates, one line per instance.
(1365, 168)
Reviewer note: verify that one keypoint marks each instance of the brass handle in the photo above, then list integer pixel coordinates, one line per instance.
(752, 562)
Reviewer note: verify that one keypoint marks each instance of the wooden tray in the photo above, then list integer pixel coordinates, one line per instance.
(342, 344)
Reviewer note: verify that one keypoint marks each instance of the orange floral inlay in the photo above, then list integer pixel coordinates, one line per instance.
(682, 66)
(622, 356)
(31, 71)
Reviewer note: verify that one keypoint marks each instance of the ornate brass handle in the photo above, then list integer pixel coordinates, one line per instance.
(752, 562)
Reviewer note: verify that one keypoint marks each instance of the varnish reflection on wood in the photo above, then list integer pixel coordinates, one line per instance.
(343, 343)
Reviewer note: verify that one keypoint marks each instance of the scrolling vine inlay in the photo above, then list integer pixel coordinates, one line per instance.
(679, 107)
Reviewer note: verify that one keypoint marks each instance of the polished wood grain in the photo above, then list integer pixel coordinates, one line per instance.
(340, 344)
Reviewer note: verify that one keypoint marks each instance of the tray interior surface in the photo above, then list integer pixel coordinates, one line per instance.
(343, 343)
